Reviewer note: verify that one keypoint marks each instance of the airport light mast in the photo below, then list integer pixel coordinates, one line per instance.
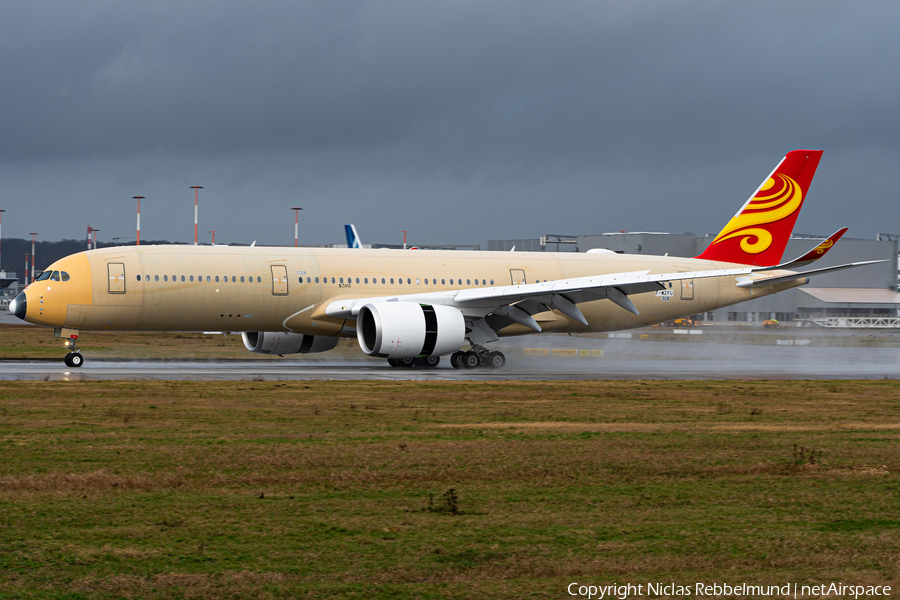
(90, 229)
(196, 189)
(1, 236)
(404, 232)
(138, 198)
(25, 274)
(296, 210)
(32, 254)
(213, 232)
(95, 237)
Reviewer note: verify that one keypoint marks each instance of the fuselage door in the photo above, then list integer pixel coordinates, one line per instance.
(517, 276)
(687, 289)
(116, 278)
(279, 280)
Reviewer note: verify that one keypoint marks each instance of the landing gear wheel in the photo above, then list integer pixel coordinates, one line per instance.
(496, 360)
(471, 360)
(456, 360)
(74, 359)
(430, 362)
(408, 363)
(393, 362)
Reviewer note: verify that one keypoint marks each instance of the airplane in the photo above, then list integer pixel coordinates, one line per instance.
(413, 308)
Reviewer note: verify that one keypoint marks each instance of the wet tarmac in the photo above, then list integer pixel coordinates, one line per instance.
(544, 358)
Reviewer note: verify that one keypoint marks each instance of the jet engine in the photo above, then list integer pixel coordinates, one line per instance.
(279, 342)
(408, 330)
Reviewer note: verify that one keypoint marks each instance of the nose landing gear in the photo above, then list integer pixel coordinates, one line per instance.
(73, 358)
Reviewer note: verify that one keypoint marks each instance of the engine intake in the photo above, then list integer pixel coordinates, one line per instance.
(408, 330)
(279, 342)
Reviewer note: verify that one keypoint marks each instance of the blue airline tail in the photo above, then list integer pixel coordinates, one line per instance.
(352, 237)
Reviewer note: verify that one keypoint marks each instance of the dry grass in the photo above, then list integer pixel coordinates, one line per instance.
(159, 489)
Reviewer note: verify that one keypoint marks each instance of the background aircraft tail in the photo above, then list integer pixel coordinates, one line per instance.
(352, 237)
(759, 232)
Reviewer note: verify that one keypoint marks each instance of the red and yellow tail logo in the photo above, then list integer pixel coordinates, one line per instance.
(759, 232)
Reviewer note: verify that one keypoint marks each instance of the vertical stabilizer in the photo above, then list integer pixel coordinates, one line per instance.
(352, 236)
(759, 232)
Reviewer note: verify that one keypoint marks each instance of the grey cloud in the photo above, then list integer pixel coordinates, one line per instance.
(465, 120)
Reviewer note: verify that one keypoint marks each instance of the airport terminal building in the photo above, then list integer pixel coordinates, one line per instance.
(862, 297)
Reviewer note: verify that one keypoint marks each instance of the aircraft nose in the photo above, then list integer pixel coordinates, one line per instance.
(19, 305)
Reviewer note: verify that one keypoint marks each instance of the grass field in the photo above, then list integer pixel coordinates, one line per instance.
(158, 489)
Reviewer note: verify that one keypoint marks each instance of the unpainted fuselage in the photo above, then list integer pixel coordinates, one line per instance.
(230, 288)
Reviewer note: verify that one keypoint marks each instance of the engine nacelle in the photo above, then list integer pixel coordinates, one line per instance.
(408, 330)
(279, 342)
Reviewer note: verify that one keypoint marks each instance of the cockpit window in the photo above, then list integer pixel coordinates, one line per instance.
(54, 276)
(44, 276)
(64, 275)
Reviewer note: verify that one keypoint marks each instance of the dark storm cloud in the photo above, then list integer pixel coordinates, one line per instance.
(501, 119)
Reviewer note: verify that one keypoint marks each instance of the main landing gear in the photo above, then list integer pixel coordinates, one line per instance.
(427, 362)
(477, 357)
(73, 358)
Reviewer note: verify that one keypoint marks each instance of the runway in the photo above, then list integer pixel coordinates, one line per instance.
(553, 358)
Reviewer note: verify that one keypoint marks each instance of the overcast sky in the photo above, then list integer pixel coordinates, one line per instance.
(459, 121)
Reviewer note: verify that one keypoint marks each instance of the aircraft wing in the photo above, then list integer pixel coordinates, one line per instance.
(560, 294)
(493, 308)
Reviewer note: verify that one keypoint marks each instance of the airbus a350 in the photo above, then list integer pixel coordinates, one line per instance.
(413, 308)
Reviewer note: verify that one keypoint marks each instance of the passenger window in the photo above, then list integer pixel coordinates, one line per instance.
(208, 279)
(242, 279)
(392, 281)
(483, 282)
(332, 280)
(258, 279)
(492, 282)
(65, 276)
(365, 280)
(138, 277)
(382, 281)
(417, 281)
(192, 278)
(165, 277)
(443, 282)
(342, 280)
(217, 279)
(467, 282)
(233, 279)
(357, 280)
(317, 280)
(182, 277)
(400, 281)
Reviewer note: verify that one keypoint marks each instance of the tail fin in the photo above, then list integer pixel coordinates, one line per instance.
(759, 232)
(352, 236)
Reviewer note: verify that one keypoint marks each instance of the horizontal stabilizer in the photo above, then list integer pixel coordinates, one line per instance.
(767, 281)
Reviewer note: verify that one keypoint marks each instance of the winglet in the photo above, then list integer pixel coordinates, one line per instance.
(811, 256)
